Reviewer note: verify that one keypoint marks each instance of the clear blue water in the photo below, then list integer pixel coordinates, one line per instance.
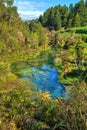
(45, 79)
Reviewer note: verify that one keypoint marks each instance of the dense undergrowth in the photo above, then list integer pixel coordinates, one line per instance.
(24, 109)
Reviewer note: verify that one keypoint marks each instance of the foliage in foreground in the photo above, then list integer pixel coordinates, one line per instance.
(20, 108)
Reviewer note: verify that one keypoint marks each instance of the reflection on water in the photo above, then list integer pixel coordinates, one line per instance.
(45, 79)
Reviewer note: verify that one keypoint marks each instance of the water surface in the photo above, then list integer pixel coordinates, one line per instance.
(45, 79)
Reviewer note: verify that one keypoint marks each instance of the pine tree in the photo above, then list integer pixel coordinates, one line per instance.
(63, 13)
(57, 21)
(80, 9)
(70, 15)
(41, 19)
(51, 18)
(76, 21)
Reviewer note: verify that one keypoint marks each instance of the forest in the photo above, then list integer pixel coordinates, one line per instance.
(57, 38)
(63, 17)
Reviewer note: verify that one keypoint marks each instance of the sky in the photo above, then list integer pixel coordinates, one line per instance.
(31, 9)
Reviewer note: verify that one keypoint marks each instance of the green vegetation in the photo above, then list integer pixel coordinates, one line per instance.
(63, 17)
(28, 43)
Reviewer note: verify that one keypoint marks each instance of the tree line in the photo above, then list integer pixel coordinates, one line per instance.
(63, 17)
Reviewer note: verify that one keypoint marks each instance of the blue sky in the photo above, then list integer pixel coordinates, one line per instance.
(30, 9)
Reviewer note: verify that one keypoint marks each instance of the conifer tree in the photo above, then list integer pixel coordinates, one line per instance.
(57, 21)
(77, 22)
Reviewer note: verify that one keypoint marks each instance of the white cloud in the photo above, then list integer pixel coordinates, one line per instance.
(31, 5)
(25, 5)
(30, 9)
(29, 14)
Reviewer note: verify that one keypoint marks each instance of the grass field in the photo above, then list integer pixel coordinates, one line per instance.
(80, 30)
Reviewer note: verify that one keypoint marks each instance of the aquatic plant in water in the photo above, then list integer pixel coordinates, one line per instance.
(45, 79)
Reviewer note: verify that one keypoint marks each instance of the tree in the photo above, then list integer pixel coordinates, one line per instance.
(51, 18)
(70, 15)
(8, 3)
(57, 21)
(81, 10)
(46, 17)
(63, 13)
(76, 21)
(41, 19)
